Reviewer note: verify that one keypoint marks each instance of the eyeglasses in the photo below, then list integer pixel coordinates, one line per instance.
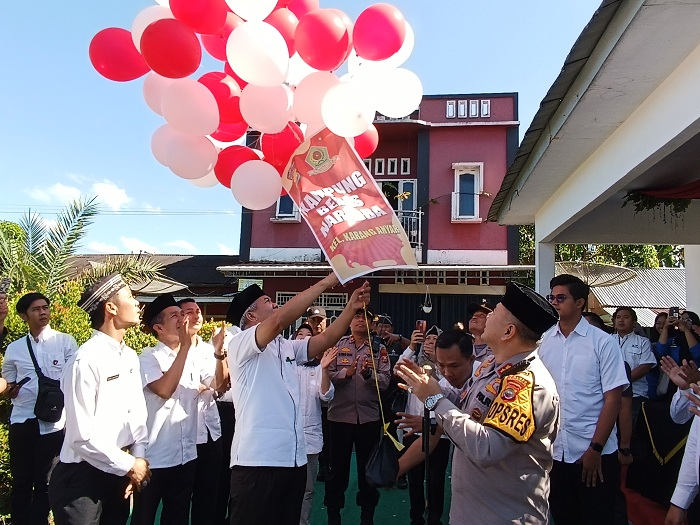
(559, 298)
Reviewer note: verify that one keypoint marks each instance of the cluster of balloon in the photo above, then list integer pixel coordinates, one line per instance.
(277, 78)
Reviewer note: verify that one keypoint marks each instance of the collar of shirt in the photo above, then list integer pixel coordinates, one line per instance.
(109, 341)
(352, 340)
(162, 347)
(514, 361)
(581, 328)
(43, 335)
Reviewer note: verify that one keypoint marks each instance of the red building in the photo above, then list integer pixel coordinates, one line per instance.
(439, 168)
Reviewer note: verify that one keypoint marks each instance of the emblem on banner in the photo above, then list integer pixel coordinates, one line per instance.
(319, 160)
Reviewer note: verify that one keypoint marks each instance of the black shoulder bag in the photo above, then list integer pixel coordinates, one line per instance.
(49, 397)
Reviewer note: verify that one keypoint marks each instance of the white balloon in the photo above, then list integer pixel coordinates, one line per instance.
(346, 110)
(145, 18)
(256, 185)
(298, 70)
(208, 181)
(154, 86)
(398, 92)
(257, 53)
(252, 9)
(309, 94)
(190, 107)
(191, 156)
(266, 109)
(160, 140)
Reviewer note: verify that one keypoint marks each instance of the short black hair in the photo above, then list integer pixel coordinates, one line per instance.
(303, 325)
(449, 338)
(693, 317)
(577, 288)
(629, 309)
(186, 300)
(26, 301)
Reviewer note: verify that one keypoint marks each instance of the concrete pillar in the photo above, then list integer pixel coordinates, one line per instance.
(544, 266)
(692, 277)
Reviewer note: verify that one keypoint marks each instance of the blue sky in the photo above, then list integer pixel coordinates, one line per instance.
(66, 131)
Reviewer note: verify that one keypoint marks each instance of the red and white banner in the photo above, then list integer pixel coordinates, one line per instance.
(348, 214)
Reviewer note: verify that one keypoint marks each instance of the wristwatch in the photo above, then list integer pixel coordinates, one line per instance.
(432, 401)
(625, 451)
(596, 446)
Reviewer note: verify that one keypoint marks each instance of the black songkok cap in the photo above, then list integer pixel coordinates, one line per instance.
(476, 307)
(529, 307)
(159, 304)
(95, 296)
(241, 301)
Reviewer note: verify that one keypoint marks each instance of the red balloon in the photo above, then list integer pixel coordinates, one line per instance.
(278, 147)
(301, 7)
(323, 38)
(229, 159)
(216, 44)
(230, 72)
(226, 93)
(379, 32)
(170, 48)
(367, 143)
(230, 131)
(114, 56)
(286, 23)
(282, 3)
(203, 16)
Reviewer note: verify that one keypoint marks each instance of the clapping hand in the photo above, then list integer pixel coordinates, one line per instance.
(328, 357)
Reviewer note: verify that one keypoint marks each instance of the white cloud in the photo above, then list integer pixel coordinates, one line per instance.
(49, 224)
(58, 193)
(137, 246)
(101, 247)
(151, 208)
(226, 250)
(185, 246)
(78, 179)
(110, 194)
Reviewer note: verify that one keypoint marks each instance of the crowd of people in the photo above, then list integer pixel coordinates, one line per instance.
(534, 404)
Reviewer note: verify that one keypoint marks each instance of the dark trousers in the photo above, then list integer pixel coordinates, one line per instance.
(227, 415)
(172, 486)
(572, 503)
(343, 436)
(436, 481)
(324, 457)
(262, 495)
(81, 494)
(206, 488)
(31, 457)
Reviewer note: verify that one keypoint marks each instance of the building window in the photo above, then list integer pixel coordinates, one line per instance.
(379, 166)
(451, 112)
(485, 108)
(368, 164)
(405, 166)
(392, 166)
(473, 108)
(401, 194)
(462, 109)
(286, 211)
(468, 188)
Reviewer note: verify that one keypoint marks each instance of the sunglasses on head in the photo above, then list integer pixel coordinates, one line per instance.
(559, 298)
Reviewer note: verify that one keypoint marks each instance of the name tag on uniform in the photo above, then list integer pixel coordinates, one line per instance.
(110, 378)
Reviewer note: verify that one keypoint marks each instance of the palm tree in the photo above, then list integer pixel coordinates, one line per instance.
(37, 257)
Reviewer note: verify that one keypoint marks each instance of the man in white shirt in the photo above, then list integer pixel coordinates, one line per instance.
(34, 444)
(268, 454)
(102, 459)
(589, 372)
(171, 375)
(209, 453)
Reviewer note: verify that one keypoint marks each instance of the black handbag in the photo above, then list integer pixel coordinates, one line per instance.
(382, 467)
(49, 397)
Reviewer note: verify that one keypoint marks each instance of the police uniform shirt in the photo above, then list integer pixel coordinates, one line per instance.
(355, 399)
(636, 351)
(584, 365)
(266, 394)
(208, 419)
(52, 350)
(105, 407)
(172, 422)
(503, 435)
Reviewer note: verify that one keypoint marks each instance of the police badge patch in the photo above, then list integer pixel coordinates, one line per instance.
(511, 411)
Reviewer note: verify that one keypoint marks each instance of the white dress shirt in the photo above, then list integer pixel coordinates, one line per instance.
(584, 365)
(680, 406)
(207, 414)
(636, 351)
(688, 476)
(172, 423)
(311, 397)
(52, 350)
(266, 394)
(105, 408)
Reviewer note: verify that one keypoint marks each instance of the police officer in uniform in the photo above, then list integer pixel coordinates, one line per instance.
(505, 422)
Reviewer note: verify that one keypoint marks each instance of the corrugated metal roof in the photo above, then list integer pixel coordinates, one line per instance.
(654, 288)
